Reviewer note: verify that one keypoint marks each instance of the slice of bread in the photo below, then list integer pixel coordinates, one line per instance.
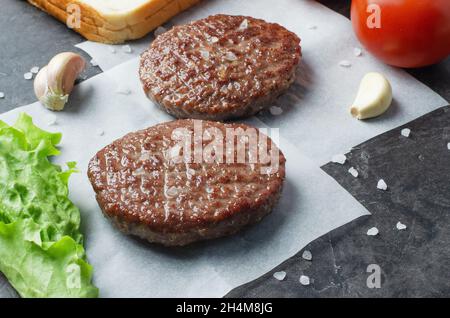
(115, 21)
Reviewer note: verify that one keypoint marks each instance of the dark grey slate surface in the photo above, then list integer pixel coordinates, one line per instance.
(413, 262)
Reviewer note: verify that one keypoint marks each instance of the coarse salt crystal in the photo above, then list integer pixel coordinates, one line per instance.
(94, 62)
(123, 90)
(139, 172)
(34, 69)
(357, 51)
(353, 172)
(50, 119)
(307, 255)
(160, 30)
(214, 39)
(2, 95)
(372, 231)
(345, 63)
(230, 56)
(405, 132)
(156, 90)
(204, 54)
(304, 280)
(127, 49)
(341, 159)
(382, 185)
(28, 75)
(275, 110)
(172, 191)
(112, 49)
(279, 275)
(244, 25)
(166, 50)
(400, 226)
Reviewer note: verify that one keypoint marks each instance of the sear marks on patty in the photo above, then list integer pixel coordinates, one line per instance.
(146, 192)
(219, 68)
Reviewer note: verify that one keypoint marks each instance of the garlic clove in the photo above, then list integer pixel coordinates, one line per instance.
(63, 70)
(374, 96)
(48, 98)
(55, 82)
(40, 83)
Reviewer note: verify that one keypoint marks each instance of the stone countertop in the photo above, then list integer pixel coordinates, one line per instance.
(412, 262)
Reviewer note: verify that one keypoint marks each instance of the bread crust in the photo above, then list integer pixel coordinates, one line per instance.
(106, 28)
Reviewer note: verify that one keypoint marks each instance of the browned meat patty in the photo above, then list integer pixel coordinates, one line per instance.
(219, 68)
(141, 186)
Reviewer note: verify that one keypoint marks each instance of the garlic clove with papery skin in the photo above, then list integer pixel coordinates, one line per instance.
(48, 98)
(55, 82)
(374, 96)
(63, 70)
(40, 83)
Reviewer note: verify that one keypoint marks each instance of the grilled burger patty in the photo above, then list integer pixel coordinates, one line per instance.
(146, 192)
(219, 68)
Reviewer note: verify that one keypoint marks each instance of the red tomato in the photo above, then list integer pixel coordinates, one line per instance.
(405, 33)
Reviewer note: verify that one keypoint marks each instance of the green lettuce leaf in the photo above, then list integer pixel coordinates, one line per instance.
(41, 250)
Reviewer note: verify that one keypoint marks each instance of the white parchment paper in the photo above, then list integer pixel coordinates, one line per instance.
(315, 125)
(312, 204)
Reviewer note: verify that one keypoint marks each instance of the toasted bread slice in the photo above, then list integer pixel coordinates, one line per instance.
(115, 21)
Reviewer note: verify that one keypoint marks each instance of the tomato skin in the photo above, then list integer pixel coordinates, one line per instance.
(412, 33)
